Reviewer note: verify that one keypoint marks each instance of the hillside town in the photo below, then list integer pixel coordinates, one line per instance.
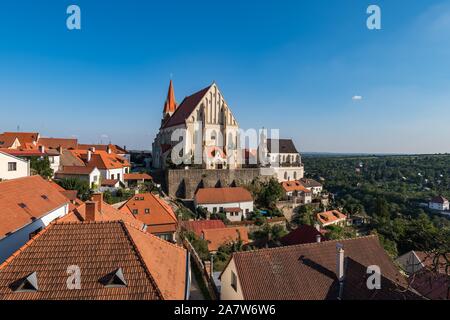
(201, 216)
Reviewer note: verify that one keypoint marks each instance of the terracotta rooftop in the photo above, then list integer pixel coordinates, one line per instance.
(153, 211)
(97, 248)
(7, 141)
(103, 147)
(109, 182)
(218, 237)
(25, 199)
(76, 170)
(24, 137)
(137, 176)
(303, 234)
(55, 143)
(289, 186)
(329, 217)
(308, 272)
(222, 195)
(101, 159)
(198, 226)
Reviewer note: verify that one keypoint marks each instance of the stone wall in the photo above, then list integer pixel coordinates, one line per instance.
(184, 183)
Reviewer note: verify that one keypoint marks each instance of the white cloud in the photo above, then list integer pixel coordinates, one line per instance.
(357, 98)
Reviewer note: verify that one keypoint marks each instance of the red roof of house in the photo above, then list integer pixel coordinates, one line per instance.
(185, 109)
(330, 216)
(198, 226)
(222, 236)
(222, 195)
(308, 272)
(289, 186)
(24, 199)
(7, 141)
(303, 234)
(55, 143)
(97, 248)
(137, 176)
(24, 137)
(102, 159)
(152, 211)
(76, 170)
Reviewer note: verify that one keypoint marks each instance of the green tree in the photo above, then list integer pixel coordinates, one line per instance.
(41, 166)
(82, 187)
(270, 192)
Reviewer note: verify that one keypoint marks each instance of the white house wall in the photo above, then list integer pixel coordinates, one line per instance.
(17, 239)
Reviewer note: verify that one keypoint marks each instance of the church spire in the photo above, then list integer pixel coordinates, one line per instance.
(170, 104)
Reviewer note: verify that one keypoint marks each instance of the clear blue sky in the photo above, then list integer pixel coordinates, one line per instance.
(293, 65)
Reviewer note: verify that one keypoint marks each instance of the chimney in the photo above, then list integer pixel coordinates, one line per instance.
(41, 149)
(109, 150)
(98, 197)
(340, 268)
(91, 210)
(89, 155)
(318, 238)
(60, 150)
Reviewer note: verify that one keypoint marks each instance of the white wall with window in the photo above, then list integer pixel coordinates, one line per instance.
(12, 167)
(12, 242)
(230, 286)
(235, 211)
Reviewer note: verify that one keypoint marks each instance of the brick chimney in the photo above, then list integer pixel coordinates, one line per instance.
(91, 210)
(109, 149)
(98, 197)
(41, 149)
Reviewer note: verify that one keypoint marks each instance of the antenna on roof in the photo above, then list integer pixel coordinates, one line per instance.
(18, 128)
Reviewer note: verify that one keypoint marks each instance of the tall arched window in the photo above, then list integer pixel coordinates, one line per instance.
(285, 176)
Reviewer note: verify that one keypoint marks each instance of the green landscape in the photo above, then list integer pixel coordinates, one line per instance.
(391, 191)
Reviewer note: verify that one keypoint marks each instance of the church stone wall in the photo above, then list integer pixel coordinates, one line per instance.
(184, 183)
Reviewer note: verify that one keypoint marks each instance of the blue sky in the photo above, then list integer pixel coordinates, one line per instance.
(293, 65)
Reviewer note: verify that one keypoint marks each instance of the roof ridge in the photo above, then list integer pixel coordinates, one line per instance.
(305, 245)
(128, 225)
(141, 259)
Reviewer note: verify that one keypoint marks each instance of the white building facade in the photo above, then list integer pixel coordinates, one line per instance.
(12, 167)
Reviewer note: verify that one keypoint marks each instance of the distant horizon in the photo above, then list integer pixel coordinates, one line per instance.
(312, 69)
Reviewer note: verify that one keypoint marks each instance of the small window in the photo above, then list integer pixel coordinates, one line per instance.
(135, 211)
(136, 198)
(112, 177)
(147, 211)
(233, 281)
(221, 209)
(12, 166)
(214, 210)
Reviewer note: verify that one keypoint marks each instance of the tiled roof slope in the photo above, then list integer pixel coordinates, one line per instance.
(198, 226)
(24, 137)
(167, 263)
(25, 199)
(97, 248)
(308, 272)
(289, 186)
(160, 212)
(222, 195)
(284, 146)
(54, 143)
(101, 159)
(219, 237)
(303, 234)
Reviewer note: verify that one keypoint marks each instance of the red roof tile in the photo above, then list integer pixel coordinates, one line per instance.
(24, 199)
(198, 226)
(222, 195)
(219, 237)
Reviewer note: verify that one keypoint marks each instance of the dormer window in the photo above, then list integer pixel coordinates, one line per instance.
(115, 279)
(27, 284)
(147, 211)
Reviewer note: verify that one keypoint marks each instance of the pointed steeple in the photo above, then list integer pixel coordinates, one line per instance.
(170, 105)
